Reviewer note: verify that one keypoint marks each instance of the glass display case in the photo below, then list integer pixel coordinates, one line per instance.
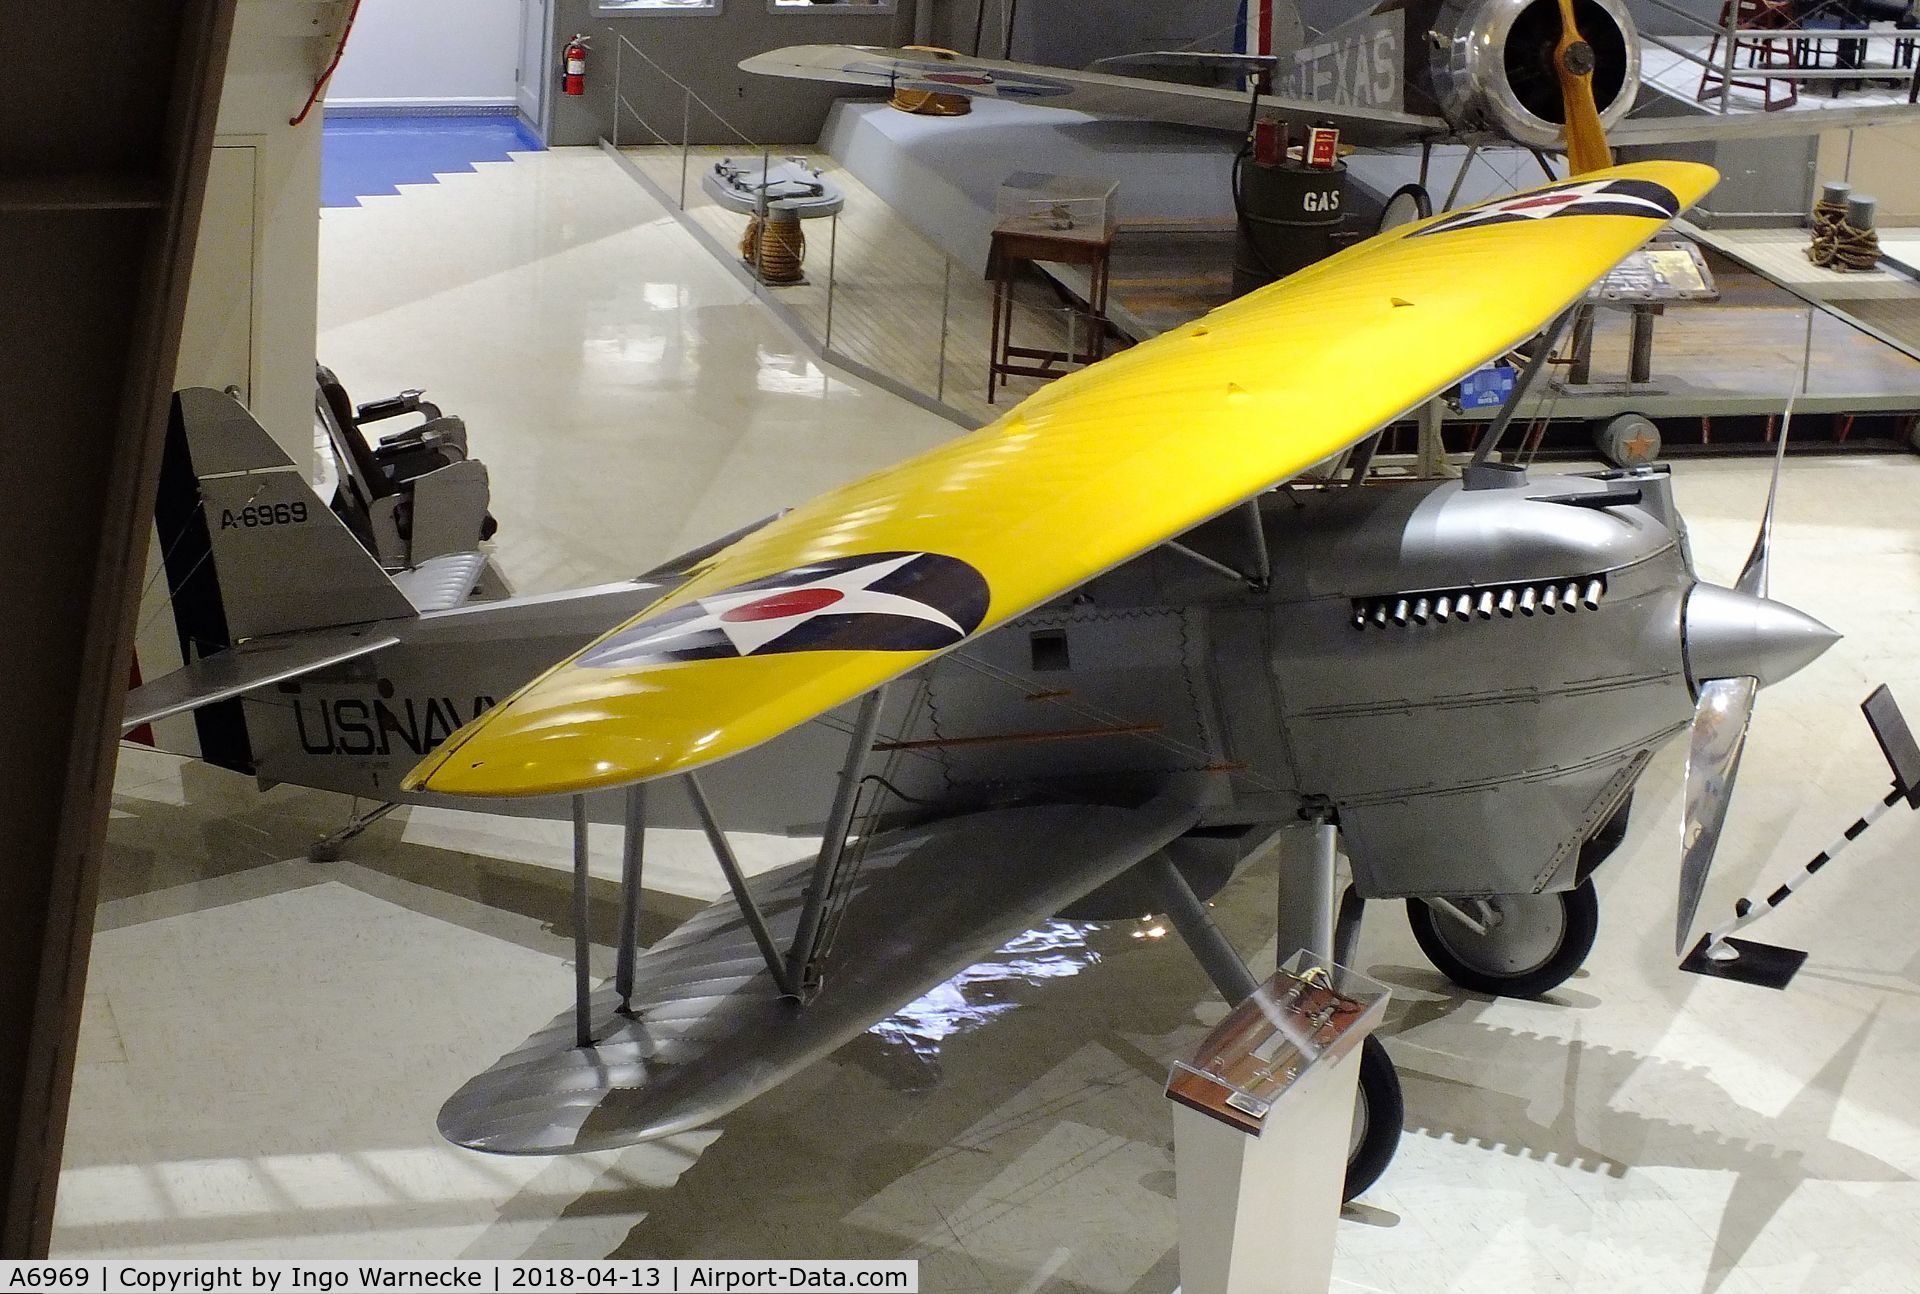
(1065, 206)
(1311, 1012)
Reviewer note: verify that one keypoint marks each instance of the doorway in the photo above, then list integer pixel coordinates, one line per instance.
(533, 79)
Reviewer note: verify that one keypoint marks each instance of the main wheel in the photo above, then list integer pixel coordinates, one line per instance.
(1407, 204)
(1533, 942)
(1378, 1113)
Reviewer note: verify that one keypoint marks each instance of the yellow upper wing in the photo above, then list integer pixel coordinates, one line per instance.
(869, 580)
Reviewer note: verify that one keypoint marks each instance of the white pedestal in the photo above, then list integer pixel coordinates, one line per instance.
(1258, 1214)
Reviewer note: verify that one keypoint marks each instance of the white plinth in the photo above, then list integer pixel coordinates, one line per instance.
(1258, 1214)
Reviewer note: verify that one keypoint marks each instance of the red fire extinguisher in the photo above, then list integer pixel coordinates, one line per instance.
(575, 80)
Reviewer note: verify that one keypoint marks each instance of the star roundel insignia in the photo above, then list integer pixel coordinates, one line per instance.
(1586, 198)
(873, 602)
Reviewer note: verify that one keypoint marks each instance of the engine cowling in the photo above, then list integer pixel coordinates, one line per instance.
(1492, 65)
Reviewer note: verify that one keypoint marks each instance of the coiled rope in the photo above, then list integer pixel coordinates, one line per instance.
(774, 248)
(1838, 245)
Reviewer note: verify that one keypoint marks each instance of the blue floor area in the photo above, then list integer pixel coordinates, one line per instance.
(361, 157)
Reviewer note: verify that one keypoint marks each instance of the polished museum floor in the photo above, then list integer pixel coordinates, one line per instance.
(267, 1040)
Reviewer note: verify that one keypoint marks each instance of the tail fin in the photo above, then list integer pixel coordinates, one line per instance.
(282, 561)
(1271, 27)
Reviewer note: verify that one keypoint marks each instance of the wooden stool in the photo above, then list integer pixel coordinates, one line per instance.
(1760, 52)
(1008, 250)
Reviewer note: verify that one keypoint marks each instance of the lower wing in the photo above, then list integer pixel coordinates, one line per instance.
(709, 1031)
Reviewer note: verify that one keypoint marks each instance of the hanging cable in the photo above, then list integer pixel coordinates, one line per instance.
(314, 95)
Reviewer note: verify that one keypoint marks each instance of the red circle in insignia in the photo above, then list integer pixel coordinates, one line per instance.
(795, 602)
(1542, 200)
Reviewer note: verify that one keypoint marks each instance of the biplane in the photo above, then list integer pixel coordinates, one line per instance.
(1477, 72)
(1098, 655)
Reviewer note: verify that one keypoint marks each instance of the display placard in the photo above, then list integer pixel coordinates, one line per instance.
(1657, 274)
(1311, 1012)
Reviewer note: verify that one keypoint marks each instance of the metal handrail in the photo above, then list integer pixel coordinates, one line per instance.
(1690, 55)
(1808, 33)
(690, 92)
(1694, 18)
(931, 389)
(1826, 33)
(1730, 35)
(1766, 72)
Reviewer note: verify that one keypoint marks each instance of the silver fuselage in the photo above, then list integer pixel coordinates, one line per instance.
(1465, 755)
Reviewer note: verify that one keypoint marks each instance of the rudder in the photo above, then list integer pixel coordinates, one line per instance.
(282, 560)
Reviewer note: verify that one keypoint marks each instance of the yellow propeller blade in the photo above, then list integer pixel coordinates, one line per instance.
(1573, 60)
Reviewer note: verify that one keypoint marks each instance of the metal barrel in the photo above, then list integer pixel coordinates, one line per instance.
(1288, 216)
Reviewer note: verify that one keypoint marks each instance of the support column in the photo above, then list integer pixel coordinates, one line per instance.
(106, 163)
(1580, 370)
(1640, 345)
(1306, 866)
(1432, 451)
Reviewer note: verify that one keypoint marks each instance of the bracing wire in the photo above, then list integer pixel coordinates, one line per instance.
(199, 510)
(853, 855)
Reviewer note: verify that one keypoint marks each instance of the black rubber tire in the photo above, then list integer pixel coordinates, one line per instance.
(1379, 1103)
(1580, 911)
(1406, 195)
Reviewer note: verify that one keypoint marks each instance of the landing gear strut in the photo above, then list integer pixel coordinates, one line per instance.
(327, 848)
(1519, 945)
(1306, 920)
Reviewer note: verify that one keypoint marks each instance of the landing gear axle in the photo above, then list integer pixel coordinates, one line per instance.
(1508, 945)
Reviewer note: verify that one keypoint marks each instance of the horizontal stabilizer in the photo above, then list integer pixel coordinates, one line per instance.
(709, 1031)
(258, 663)
(441, 583)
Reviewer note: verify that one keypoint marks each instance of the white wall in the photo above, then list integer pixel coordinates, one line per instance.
(250, 318)
(1878, 163)
(251, 301)
(429, 53)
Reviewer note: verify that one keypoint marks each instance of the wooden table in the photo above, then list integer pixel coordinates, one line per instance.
(1009, 249)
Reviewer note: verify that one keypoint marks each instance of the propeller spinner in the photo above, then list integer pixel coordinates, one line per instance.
(1737, 640)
